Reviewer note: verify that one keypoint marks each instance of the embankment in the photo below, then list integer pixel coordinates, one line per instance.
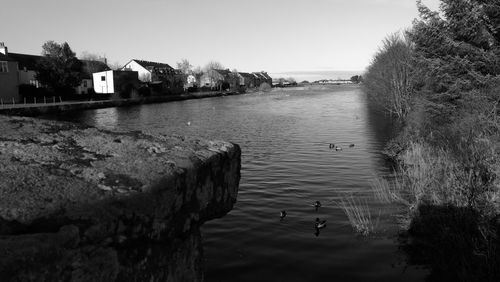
(33, 110)
(82, 204)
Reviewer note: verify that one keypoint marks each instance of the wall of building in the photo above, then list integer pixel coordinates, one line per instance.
(28, 77)
(106, 85)
(9, 84)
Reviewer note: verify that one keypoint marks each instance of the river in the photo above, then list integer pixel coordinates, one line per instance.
(287, 165)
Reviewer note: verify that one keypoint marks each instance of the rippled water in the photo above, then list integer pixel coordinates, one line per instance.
(287, 165)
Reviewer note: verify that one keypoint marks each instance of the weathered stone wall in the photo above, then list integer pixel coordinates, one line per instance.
(82, 204)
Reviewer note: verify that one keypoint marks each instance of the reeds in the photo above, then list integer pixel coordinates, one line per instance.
(359, 215)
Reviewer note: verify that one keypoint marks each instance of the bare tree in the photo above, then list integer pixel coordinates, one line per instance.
(388, 79)
(185, 66)
(213, 65)
(93, 63)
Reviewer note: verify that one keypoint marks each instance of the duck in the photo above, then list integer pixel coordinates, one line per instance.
(282, 214)
(188, 123)
(352, 145)
(320, 224)
(317, 204)
(332, 145)
(338, 148)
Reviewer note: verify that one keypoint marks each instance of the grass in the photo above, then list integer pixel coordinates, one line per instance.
(359, 215)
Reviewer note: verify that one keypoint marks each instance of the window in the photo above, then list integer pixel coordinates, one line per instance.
(4, 67)
(103, 78)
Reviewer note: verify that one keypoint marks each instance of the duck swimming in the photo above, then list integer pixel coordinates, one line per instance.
(317, 204)
(332, 145)
(338, 148)
(352, 145)
(320, 224)
(282, 214)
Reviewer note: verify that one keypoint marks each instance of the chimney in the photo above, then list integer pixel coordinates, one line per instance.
(3, 49)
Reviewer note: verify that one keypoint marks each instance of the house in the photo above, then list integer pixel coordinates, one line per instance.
(247, 79)
(116, 82)
(27, 68)
(9, 90)
(267, 78)
(151, 71)
(258, 79)
(26, 71)
(89, 67)
(219, 79)
(262, 77)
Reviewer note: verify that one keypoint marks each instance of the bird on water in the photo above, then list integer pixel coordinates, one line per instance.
(282, 215)
(317, 205)
(320, 223)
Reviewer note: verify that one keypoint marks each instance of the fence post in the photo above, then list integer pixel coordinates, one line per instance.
(35, 100)
(13, 101)
(60, 100)
(44, 100)
(53, 99)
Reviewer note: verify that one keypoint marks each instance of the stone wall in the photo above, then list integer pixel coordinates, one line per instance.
(82, 204)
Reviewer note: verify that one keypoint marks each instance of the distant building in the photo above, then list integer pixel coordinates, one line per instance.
(112, 81)
(247, 79)
(220, 79)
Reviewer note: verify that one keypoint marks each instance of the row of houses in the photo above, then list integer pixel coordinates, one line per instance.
(19, 70)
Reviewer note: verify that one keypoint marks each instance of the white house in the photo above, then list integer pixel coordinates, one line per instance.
(108, 82)
(150, 71)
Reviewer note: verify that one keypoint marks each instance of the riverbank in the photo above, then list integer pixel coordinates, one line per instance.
(33, 110)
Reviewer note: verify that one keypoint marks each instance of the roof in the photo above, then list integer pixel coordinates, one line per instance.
(6, 58)
(150, 65)
(223, 72)
(25, 61)
(246, 74)
(264, 74)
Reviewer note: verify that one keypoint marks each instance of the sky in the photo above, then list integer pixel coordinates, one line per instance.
(252, 35)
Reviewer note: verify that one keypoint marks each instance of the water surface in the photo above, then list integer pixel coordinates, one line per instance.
(287, 165)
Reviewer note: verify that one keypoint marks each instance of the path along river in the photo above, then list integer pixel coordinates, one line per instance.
(287, 165)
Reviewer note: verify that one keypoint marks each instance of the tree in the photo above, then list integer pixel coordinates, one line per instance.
(213, 65)
(185, 66)
(356, 78)
(93, 63)
(59, 68)
(388, 80)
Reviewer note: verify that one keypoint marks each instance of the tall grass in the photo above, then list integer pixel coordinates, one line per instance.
(359, 215)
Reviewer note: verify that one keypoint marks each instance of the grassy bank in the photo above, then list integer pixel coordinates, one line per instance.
(441, 78)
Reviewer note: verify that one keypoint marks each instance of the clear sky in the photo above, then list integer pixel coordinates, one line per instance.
(252, 35)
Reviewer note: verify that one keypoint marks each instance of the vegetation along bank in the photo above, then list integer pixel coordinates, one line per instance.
(441, 78)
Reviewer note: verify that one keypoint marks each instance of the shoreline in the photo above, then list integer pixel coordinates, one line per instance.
(33, 110)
